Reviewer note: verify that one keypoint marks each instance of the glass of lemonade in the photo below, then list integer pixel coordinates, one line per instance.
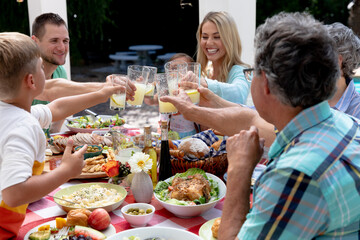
(150, 86)
(166, 84)
(138, 75)
(117, 101)
(193, 75)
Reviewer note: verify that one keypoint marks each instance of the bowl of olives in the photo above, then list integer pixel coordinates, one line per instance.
(138, 214)
(91, 151)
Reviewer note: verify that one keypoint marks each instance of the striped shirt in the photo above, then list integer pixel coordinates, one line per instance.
(311, 187)
(350, 101)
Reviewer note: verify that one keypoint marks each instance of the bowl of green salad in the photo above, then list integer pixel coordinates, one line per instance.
(190, 193)
(88, 124)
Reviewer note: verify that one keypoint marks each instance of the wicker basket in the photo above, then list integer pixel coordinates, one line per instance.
(215, 165)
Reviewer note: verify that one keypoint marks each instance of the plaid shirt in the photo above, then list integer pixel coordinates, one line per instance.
(350, 101)
(311, 187)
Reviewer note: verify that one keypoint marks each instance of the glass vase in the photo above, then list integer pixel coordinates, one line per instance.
(121, 181)
(142, 187)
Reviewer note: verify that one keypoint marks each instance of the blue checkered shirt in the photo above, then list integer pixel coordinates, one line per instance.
(311, 187)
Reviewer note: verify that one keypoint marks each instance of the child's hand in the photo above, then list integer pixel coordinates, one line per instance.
(73, 162)
(190, 77)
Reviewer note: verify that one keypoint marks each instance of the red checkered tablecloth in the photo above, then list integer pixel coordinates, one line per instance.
(46, 210)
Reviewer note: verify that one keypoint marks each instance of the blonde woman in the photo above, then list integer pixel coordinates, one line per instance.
(219, 52)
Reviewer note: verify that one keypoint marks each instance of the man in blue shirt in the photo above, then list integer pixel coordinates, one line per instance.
(310, 188)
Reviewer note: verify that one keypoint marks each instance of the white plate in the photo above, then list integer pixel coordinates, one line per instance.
(205, 230)
(164, 232)
(88, 130)
(108, 232)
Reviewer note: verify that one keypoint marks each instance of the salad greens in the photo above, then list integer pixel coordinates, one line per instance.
(87, 122)
(162, 189)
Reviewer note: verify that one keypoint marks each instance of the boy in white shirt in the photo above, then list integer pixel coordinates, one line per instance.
(22, 141)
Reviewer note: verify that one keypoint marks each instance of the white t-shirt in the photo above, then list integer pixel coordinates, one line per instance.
(22, 141)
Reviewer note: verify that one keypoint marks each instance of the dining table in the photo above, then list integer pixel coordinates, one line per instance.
(143, 52)
(46, 210)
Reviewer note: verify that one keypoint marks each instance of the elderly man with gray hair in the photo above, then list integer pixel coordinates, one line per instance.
(310, 188)
(346, 98)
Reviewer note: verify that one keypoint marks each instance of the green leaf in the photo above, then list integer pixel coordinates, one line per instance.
(161, 186)
(201, 200)
(192, 172)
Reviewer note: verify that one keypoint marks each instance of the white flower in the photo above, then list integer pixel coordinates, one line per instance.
(140, 162)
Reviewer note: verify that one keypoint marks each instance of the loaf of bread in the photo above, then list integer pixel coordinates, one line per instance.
(78, 217)
(194, 148)
(215, 227)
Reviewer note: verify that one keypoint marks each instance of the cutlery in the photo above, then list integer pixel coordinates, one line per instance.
(62, 199)
(62, 233)
(94, 115)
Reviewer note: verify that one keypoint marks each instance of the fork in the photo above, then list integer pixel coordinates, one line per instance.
(61, 199)
(62, 233)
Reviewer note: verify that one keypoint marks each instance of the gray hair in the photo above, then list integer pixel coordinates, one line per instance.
(298, 58)
(348, 46)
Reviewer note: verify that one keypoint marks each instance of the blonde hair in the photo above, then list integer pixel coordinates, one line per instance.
(18, 56)
(230, 38)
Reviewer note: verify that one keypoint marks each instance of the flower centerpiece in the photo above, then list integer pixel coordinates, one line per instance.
(116, 171)
(141, 185)
(140, 162)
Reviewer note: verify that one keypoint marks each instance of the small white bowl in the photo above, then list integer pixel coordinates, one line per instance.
(138, 220)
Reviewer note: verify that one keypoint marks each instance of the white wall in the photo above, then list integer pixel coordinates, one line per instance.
(38, 7)
(244, 13)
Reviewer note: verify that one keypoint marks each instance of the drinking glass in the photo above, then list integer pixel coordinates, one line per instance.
(150, 86)
(166, 85)
(117, 101)
(178, 66)
(139, 76)
(192, 75)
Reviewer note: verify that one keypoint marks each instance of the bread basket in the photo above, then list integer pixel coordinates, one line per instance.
(215, 162)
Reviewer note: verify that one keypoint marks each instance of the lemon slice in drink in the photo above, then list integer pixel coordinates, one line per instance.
(194, 95)
(149, 91)
(117, 100)
(191, 91)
